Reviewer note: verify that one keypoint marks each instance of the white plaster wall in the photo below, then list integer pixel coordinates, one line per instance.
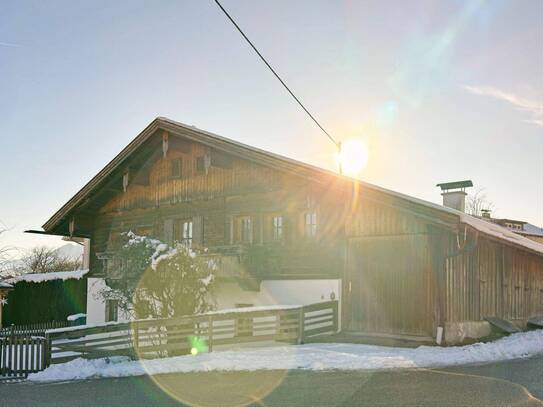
(227, 295)
(96, 307)
(278, 292)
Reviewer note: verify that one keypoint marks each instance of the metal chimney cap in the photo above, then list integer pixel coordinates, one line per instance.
(445, 186)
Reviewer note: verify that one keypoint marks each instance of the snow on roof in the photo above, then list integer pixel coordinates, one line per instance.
(533, 230)
(500, 232)
(41, 277)
(3, 284)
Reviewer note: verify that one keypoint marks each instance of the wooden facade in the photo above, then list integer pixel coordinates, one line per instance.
(407, 266)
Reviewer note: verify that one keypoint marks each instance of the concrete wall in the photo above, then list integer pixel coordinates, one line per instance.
(278, 292)
(457, 333)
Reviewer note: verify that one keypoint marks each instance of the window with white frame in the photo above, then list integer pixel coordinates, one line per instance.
(277, 227)
(310, 224)
(245, 229)
(183, 232)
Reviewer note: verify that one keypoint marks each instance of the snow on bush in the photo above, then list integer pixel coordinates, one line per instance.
(326, 356)
(158, 280)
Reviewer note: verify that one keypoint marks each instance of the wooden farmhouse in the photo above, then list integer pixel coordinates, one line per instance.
(291, 233)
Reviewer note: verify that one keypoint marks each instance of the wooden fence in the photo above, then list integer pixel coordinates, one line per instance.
(21, 354)
(33, 329)
(199, 333)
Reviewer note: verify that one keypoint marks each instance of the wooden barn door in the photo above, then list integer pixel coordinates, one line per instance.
(390, 286)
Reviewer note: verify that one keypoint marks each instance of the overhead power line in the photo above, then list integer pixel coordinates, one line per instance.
(337, 144)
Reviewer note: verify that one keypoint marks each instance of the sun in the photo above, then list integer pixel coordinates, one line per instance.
(353, 157)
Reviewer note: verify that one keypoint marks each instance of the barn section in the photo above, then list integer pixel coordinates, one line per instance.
(413, 266)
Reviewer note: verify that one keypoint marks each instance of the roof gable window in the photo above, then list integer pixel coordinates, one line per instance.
(175, 168)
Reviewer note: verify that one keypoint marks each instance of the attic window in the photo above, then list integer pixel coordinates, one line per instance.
(175, 168)
(200, 165)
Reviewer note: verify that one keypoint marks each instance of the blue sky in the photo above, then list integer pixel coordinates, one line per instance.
(438, 90)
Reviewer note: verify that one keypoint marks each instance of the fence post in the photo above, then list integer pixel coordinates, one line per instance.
(136, 328)
(210, 334)
(335, 313)
(301, 323)
(47, 350)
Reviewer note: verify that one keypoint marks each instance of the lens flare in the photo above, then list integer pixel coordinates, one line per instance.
(353, 157)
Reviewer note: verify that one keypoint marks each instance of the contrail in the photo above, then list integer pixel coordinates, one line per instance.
(9, 44)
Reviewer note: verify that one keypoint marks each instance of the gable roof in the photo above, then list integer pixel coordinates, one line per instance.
(277, 161)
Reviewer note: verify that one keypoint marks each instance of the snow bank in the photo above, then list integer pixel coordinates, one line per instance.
(325, 356)
(40, 277)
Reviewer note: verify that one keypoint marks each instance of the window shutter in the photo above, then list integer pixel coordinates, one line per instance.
(198, 230)
(168, 231)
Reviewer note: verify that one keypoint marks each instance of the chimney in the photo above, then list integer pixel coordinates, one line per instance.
(485, 213)
(454, 194)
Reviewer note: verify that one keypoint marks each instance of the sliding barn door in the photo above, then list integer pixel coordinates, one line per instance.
(390, 286)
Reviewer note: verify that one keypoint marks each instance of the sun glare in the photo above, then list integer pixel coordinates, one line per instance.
(353, 157)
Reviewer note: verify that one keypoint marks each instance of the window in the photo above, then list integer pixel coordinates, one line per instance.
(310, 229)
(112, 310)
(187, 233)
(277, 227)
(182, 231)
(244, 229)
(200, 165)
(175, 168)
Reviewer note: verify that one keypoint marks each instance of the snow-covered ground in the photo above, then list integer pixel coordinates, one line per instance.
(326, 356)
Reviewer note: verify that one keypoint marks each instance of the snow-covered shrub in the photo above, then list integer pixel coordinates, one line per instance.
(157, 280)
